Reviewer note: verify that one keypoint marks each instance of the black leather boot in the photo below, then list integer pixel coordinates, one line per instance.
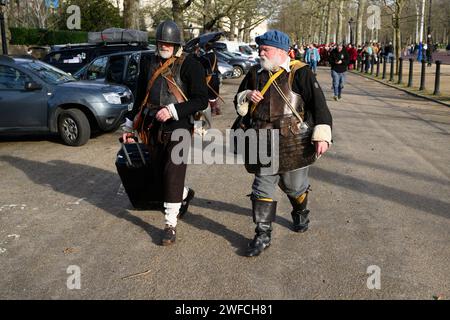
(300, 213)
(263, 215)
(185, 203)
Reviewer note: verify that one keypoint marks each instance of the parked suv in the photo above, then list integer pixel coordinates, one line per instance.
(36, 97)
(71, 58)
(119, 68)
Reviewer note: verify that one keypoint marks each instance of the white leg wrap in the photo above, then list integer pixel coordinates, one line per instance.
(171, 210)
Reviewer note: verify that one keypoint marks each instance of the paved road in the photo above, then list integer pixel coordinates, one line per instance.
(380, 197)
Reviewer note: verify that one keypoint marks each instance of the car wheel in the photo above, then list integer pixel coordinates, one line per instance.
(237, 72)
(74, 127)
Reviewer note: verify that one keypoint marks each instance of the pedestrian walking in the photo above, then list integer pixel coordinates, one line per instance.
(339, 61)
(171, 89)
(292, 102)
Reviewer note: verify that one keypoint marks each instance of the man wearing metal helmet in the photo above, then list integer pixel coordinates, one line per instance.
(283, 95)
(171, 89)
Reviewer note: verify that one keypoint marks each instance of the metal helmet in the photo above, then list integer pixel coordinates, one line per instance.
(168, 32)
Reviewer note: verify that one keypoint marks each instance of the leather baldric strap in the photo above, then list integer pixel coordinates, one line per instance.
(294, 65)
(165, 66)
(208, 78)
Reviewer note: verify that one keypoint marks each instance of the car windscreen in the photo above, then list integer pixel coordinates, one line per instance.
(245, 49)
(48, 73)
(225, 55)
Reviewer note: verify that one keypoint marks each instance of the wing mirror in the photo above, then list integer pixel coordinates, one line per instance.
(31, 86)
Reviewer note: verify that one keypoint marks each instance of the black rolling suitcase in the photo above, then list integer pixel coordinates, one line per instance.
(138, 177)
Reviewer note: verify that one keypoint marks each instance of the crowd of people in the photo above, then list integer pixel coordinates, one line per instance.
(319, 54)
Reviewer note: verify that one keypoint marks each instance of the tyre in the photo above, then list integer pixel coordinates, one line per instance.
(74, 127)
(237, 72)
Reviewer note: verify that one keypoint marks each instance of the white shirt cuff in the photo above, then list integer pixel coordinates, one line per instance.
(322, 132)
(242, 97)
(173, 111)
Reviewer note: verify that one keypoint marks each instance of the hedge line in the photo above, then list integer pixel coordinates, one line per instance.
(24, 36)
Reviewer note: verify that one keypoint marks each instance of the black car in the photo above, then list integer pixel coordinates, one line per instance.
(118, 68)
(71, 58)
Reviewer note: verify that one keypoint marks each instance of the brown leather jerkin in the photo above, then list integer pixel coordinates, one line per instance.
(138, 123)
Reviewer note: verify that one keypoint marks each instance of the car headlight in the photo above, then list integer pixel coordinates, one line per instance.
(112, 98)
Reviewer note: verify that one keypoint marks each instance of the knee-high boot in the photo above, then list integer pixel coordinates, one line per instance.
(263, 215)
(300, 215)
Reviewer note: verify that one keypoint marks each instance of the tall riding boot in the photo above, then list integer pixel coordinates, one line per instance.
(300, 213)
(263, 215)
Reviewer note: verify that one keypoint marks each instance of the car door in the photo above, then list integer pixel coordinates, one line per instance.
(97, 70)
(68, 60)
(21, 109)
(132, 72)
(115, 69)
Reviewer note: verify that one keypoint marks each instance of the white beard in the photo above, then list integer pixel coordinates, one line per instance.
(164, 54)
(270, 65)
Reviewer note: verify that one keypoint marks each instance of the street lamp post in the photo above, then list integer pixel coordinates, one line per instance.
(350, 23)
(429, 40)
(2, 26)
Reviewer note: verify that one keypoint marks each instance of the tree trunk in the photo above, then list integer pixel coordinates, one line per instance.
(417, 21)
(8, 35)
(131, 14)
(359, 22)
(232, 26)
(206, 8)
(339, 21)
(322, 22)
(310, 39)
(177, 12)
(328, 23)
(397, 33)
(247, 24)
(422, 19)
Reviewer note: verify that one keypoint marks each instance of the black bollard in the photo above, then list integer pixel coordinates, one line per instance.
(378, 66)
(400, 70)
(384, 69)
(391, 76)
(362, 65)
(371, 64)
(422, 76)
(437, 79)
(410, 77)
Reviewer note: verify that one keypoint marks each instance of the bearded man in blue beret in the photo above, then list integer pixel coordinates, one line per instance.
(283, 95)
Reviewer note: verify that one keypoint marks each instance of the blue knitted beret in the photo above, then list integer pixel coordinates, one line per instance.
(274, 38)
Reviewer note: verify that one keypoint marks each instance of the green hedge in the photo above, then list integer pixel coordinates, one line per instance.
(23, 36)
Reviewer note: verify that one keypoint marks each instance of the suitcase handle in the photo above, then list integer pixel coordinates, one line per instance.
(126, 152)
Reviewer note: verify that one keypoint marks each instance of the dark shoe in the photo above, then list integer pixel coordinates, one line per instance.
(299, 212)
(185, 204)
(263, 215)
(339, 97)
(258, 244)
(301, 220)
(170, 235)
(335, 98)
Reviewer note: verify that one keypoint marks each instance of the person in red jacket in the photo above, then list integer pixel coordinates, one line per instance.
(353, 56)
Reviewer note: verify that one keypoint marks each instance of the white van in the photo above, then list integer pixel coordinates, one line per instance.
(240, 48)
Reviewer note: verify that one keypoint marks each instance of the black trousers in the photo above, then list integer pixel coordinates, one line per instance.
(170, 176)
